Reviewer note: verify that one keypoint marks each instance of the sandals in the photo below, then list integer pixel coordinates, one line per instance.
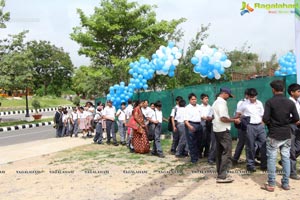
(267, 187)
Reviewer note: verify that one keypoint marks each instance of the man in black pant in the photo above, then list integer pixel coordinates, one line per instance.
(221, 128)
(175, 134)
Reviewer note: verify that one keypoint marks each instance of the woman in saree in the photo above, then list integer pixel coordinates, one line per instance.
(140, 140)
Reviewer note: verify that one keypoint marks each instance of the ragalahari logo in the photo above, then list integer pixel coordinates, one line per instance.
(246, 8)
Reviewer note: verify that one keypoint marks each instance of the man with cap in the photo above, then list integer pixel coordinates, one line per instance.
(221, 129)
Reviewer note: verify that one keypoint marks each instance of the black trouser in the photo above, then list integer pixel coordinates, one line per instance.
(223, 153)
(193, 140)
(99, 133)
(110, 127)
(205, 140)
(156, 143)
(175, 141)
(240, 145)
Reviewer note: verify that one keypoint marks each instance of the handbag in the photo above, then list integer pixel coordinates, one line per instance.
(132, 123)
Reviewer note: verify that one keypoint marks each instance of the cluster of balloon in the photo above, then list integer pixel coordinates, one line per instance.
(287, 65)
(119, 93)
(141, 71)
(163, 62)
(210, 62)
(166, 58)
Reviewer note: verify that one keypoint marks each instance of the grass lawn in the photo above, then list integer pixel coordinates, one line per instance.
(46, 102)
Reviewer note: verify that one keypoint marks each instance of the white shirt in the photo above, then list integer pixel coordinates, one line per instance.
(147, 111)
(65, 117)
(75, 115)
(173, 111)
(220, 110)
(157, 115)
(90, 111)
(128, 111)
(122, 115)
(109, 112)
(180, 114)
(82, 115)
(192, 113)
(206, 110)
(98, 115)
(253, 110)
(239, 105)
(297, 104)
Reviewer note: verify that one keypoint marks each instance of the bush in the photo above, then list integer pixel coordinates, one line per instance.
(76, 100)
(36, 105)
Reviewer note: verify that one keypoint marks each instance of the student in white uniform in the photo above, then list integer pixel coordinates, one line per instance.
(193, 127)
(182, 148)
(121, 115)
(109, 113)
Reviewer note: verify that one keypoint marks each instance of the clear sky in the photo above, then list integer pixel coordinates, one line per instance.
(266, 33)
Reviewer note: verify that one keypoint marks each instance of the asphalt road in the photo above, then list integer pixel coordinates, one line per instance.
(26, 135)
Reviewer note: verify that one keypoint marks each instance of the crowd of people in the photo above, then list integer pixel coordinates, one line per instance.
(202, 130)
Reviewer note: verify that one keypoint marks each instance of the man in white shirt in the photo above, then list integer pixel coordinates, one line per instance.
(156, 118)
(256, 134)
(121, 122)
(241, 128)
(99, 131)
(109, 113)
(206, 119)
(182, 148)
(221, 128)
(175, 134)
(74, 115)
(193, 127)
(128, 112)
(147, 111)
(294, 92)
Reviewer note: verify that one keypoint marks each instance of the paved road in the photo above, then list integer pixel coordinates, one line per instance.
(26, 135)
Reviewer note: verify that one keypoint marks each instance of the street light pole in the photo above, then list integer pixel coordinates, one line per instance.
(26, 97)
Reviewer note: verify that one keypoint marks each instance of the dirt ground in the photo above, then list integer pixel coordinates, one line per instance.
(106, 172)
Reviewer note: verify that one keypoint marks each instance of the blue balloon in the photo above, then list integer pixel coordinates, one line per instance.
(277, 73)
(171, 44)
(194, 60)
(203, 70)
(130, 71)
(223, 57)
(221, 70)
(210, 75)
(145, 86)
(171, 73)
(205, 60)
(217, 66)
(197, 69)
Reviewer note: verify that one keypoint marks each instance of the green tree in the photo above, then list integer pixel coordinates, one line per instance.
(53, 66)
(119, 32)
(15, 63)
(243, 62)
(4, 16)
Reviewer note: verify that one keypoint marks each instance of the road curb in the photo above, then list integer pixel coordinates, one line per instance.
(25, 126)
(16, 112)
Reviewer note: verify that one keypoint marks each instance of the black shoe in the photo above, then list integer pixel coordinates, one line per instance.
(295, 177)
(234, 162)
(200, 155)
(180, 156)
(123, 143)
(76, 135)
(280, 162)
(154, 153)
(211, 162)
(131, 150)
(263, 168)
(116, 144)
(251, 170)
(108, 142)
(161, 155)
(256, 163)
(100, 143)
(172, 152)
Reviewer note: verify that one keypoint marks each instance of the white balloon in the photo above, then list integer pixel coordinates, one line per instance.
(159, 53)
(164, 73)
(217, 76)
(198, 53)
(170, 57)
(210, 51)
(218, 55)
(203, 76)
(178, 55)
(204, 47)
(175, 50)
(168, 63)
(168, 51)
(212, 60)
(227, 63)
(175, 62)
